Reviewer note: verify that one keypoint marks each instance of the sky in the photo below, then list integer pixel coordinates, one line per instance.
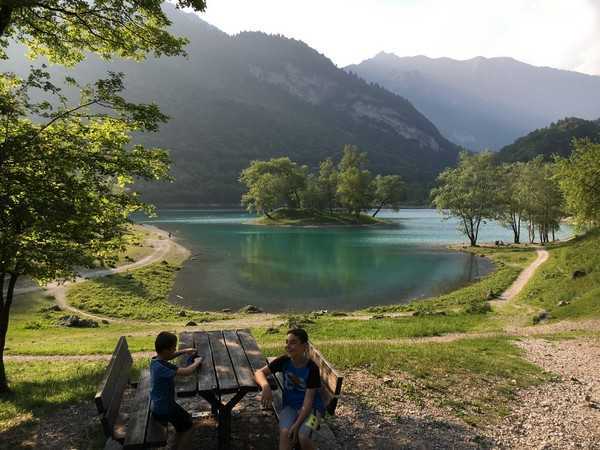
(564, 34)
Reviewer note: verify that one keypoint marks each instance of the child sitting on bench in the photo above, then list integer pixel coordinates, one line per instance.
(302, 404)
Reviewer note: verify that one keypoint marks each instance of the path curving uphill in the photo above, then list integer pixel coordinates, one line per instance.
(162, 246)
(525, 276)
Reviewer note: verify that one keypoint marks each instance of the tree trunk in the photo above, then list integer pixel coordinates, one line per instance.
(4, 314)
(376, 212)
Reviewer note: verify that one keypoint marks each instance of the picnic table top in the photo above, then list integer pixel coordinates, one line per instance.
(230, 358)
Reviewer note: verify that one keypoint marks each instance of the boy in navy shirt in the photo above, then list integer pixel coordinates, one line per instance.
(302, 403)
(162, 382)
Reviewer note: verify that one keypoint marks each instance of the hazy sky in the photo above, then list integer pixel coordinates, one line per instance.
(556, 33)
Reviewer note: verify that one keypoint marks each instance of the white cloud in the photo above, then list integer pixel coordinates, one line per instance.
(556, 33)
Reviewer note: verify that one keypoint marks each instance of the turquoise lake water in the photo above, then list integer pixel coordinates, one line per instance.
(335, 268)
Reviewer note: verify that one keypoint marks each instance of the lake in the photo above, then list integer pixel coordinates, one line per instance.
(303, 269)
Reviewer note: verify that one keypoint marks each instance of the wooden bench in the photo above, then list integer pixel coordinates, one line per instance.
(141, 430)
(331, 388)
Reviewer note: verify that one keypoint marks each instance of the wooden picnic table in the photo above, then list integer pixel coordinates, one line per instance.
(230, 358)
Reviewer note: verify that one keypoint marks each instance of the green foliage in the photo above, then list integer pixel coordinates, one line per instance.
(557, 289)
(354, 190)
(64, 30)
(579, 179)
(388, 192)
(553, 140)
(300, 217)
(468, 192)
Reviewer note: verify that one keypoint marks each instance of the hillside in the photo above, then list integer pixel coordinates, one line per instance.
(485, 102)
(554, 139)
(257, 96)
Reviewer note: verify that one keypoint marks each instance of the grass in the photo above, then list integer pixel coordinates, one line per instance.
(312, 217)
(554, 283)
(140, 294)
(42, 389)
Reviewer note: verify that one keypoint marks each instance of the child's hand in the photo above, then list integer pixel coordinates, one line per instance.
(198, 360)
(267, 397)
(293, 433)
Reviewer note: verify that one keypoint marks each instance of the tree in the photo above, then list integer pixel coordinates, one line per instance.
(388, 192)
(354, 189)
(579, 180)
(63, 30)
(65, 194)
(510, 207)
(468, 192)
(283, 180)
(327, 182)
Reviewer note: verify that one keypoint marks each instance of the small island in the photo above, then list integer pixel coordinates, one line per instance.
(312, 217)
(286, 193)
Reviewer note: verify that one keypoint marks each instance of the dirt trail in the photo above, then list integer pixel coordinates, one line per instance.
(525, 276)
(162, 246)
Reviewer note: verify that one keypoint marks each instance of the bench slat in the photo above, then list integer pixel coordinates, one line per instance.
(331, 380)
(206, 373)
(185, 385)
(223, 367)
(142, 430)
(243, 371)
(115, 377)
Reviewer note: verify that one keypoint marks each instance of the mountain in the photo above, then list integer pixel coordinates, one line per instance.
(555, 139)
(257, 96)
(485, 102)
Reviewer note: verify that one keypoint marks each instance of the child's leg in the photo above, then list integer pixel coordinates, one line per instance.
(287, 417)
(182, 422)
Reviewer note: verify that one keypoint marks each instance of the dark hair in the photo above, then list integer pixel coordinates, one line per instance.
(300, 334)
(164, 341)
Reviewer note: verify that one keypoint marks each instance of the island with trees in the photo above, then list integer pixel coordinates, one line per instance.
(286, 193)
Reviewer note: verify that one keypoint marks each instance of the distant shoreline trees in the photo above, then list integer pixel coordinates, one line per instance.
(536, 192)
(348, 186)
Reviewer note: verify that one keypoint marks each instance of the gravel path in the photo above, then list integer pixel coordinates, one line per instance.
(560, 415)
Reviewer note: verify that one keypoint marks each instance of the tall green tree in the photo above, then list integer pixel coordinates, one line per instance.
(579, 180)
(468, 192)
(510, 206)
(388, 191)
(327, 182)
(63, 30)
(354, 187)
(283, 180)
(65, 182)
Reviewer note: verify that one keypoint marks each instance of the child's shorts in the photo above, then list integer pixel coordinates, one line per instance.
(178, 417)
(288, 415)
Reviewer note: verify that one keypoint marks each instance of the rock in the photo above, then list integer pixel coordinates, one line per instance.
(105, 322)
(51, 308)
(272, 330)
(321, 312)
(562, 303)
(544, 315)
(182, 314)
(191, 323)
(578, 274)
(378, 317)
(339, 314)
(77, 322)
(491, 295)
(250, 309)
(226, 310)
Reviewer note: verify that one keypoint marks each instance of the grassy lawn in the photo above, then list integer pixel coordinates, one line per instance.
(555, 282)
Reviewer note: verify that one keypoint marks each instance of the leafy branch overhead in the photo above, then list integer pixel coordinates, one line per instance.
(64, 30)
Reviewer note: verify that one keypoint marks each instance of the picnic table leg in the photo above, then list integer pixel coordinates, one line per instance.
(224, 430)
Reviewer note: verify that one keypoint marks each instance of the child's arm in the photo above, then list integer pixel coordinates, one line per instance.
(261, 379)
(184, 351)
(305, 411)
(184, 371)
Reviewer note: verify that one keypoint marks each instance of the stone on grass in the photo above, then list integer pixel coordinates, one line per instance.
(544, 315)
(562, 303)
(226, 310)
(77, 322)
(182, 314)
(191, 323)
(250, 309)
(578, 274)
(272, 330)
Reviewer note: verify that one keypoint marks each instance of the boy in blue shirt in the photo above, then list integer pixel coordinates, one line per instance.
(162, 386)
(302, 403)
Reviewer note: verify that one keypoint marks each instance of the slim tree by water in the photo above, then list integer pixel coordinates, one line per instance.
(468, 192)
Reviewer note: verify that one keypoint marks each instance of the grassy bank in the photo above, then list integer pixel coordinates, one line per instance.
(312, 217)
(567, 286)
